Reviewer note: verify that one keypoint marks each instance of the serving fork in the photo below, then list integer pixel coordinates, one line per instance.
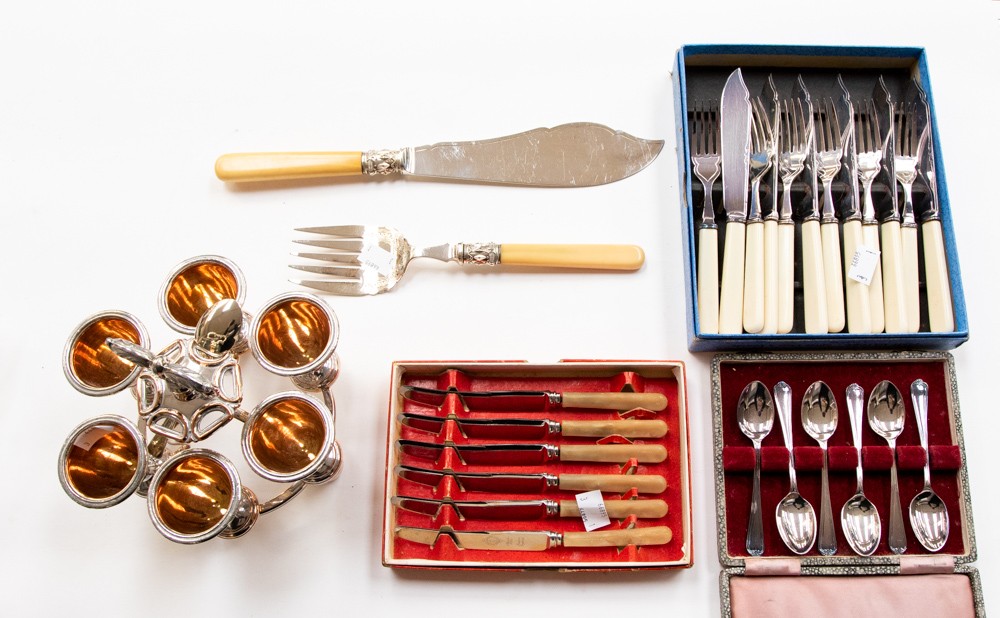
(869, 161)
(369, 260)
(829, 152)
(705, 161)
(908, 146)
(761, 157)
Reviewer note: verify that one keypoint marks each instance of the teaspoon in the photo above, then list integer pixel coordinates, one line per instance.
(756, 417)
(819, 419)
(796, 517)
(859, 518)
(928, 514)
(886, 414)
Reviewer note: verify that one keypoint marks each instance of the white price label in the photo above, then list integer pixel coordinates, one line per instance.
(863, 264)
(592, 510)
(378, 258)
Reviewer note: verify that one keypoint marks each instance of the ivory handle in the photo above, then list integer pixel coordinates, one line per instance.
(620, 509)
(813, 279)
(626, 429)
(613, 453)
(939, 309)
(615, 401)
(617, 483)
(833, 271)
(257, 166)
(770, 277)
(731, 298)
(859, 313)
(892, 278)
(599, 257)
(877, 305)
(786, 277)
(708, 280)
(655, 535)
(911, 277)
(753, 279)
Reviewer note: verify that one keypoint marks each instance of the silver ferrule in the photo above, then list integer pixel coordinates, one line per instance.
(551, 480)
(482, 253)
(551, 451)
(384, 162)
(551, 508)
(555, 539)
(552, 428)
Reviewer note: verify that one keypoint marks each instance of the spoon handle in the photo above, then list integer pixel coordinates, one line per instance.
(783, 403)
(918, 394)
(855, 397)
(827, 534)
(755, 527)
(897, 535)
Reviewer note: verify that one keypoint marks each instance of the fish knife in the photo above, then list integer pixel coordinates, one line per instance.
(580, 154)
(528, 509)
(537, 454)
(735, 130)
(538, 401)
(522, 483)
(530, 429)
(541, 540)
(940, 315)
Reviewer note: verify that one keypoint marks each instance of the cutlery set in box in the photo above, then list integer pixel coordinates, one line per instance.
(575, 465)
(814, 201)
(871, 446)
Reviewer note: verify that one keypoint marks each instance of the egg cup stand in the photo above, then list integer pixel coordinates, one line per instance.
(192, 388)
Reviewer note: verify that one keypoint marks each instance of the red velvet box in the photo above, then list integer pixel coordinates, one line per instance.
(448, 476)
(843, 583)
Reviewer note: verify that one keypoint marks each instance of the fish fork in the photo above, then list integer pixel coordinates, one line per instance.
(761, 156)
(705, 161)
(907, 150)
(796, 137)
(829, 152)
(370, 260)
(869, 160)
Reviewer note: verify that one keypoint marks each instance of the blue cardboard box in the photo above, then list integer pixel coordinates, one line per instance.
(701, 71)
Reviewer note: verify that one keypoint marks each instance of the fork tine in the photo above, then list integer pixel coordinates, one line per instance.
(345, 271)
(695, 129)
(339, 288)
(351, 231)
(342, 258)
(835, 124)
(714, 128)
(342, 244)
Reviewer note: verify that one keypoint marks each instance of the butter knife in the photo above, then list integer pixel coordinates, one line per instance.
(537, 540)
(581, 154)
(735, 130)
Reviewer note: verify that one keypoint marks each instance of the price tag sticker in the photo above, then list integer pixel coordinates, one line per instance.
(378, 258)
(592, 510)
(863, 264)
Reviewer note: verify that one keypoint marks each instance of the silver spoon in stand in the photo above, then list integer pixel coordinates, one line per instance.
(886, 415)
(756, 417)
(819, 419)
(859, 518)
(928, 514)
(796, 517)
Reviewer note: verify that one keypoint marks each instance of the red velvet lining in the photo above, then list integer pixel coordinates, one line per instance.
(444, 550)
(738, 455)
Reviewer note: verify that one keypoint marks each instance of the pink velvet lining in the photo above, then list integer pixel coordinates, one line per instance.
(833, 596)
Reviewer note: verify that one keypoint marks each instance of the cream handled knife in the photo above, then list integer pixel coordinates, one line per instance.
(528, 509)
(940, 314)
(735, 129)
(540, 540)
(581, 154)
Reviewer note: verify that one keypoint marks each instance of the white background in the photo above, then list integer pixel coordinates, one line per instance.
(111, 116)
